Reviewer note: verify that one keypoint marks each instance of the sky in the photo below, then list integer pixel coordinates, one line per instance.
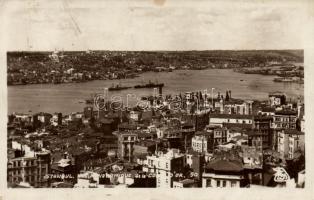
(44, 25)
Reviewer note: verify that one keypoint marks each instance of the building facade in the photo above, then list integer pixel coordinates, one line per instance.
(164, 165)
(31, 170)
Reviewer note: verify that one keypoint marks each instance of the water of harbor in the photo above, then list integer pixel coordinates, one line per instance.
(67, 98)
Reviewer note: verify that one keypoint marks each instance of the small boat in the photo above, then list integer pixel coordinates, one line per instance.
(241, 80)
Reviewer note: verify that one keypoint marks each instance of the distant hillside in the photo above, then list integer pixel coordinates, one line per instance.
(100, 60)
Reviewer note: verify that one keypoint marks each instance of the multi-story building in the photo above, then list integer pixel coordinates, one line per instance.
(56, 119)
(31, 170)
(277, 99)
(262, 131)
(126, 141)
(220, 135)
(302, 124)
(165, 165)
(88, 112)
(285, 119)
(239, 108)
(200, 143)
(44, 118)
(257, 140)
(290, 142)
(134, 115)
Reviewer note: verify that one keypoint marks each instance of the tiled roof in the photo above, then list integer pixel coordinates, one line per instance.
(268, 109)
(225, 165)
(286, 112)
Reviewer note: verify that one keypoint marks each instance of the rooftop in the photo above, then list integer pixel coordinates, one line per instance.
(231, 116)
(286, 112)
(225, 165)
(187, 181)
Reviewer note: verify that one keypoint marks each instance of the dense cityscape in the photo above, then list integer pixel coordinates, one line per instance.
(71, 67)
(204, 138)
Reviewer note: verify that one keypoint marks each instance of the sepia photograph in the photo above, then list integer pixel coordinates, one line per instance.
(157, 94)
(156, 119)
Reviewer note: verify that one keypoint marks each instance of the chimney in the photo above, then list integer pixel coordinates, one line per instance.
(65, 155)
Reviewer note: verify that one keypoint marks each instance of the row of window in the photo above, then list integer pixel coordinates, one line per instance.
(239, 121)
(29, 172)
(129, 138)
(285, 125)
(199, 145)
(26, 163)
(221, 183)
(284, 119)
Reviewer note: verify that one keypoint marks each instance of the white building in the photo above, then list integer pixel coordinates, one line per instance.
(284, 120)
(222, 173)
(200, 143)
(134, 115)
(302, 124)
(164, 165)
(244, 108)
(290, 142)
(277, 99)
(220, 119)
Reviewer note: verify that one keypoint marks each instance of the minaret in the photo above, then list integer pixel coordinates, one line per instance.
(227, 96)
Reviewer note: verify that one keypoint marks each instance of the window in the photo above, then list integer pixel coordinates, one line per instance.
(218, 183)
(167, 165)
(224, 183)
(233, 183)
(208, 182)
